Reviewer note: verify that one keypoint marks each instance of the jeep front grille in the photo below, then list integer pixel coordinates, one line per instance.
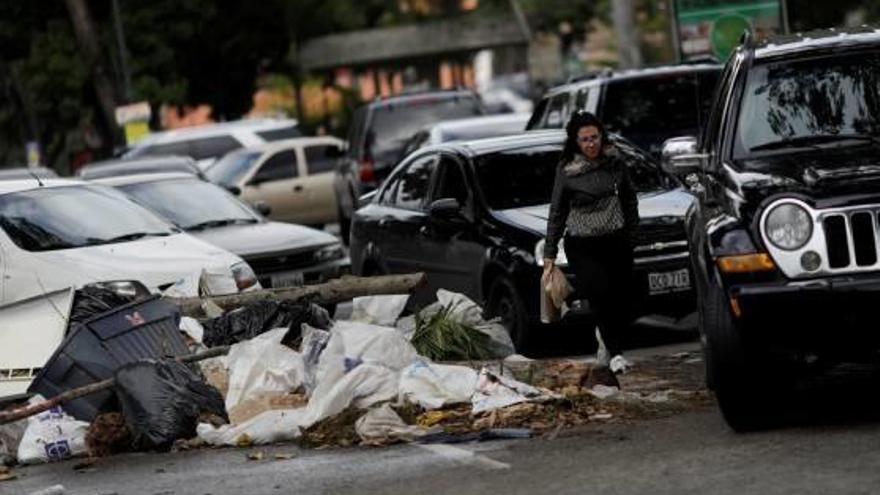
(851, 238)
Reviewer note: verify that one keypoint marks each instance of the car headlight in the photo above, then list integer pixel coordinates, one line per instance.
(788, 226)
(561, 259)
(244, 276)
(329, 253)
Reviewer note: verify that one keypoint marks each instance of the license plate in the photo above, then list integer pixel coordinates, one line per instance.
(676, 281)
(292, 279)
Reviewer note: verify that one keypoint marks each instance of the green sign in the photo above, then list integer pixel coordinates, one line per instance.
(714, 27)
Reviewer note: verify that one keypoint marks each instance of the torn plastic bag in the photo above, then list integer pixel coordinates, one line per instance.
(192, 328)
(262, 365)
(261, 316)
(162, 402)
(314, 341)
(383, 426)
(555, 289)
(52, 435)
(378, 310)
(91, 301)
(433, 386)
(269, 427)
(495, 392)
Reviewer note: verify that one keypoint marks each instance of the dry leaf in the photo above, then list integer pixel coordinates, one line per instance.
(256, 456)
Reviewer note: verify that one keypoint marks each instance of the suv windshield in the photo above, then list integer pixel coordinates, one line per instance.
(393, 124)
(191, 203)
(806, 104)
(76, 216)
(230, 169)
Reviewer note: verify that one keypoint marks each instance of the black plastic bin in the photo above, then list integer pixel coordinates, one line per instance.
(92, 351)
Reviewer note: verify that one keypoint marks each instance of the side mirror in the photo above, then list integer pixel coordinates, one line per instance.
(446, 209)
(263, 207)
(680, 157)
(234, 190)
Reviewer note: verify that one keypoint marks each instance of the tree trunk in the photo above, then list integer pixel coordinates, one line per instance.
(627, 37)
(334, 291)
(87, 40)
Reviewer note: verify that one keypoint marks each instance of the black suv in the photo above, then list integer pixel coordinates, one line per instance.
(473, 216)
(378, 133)
(784, 236)
(647, 106)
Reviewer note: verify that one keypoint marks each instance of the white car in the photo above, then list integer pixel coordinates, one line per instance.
(206, 143)
(293, 176)
(62, 233)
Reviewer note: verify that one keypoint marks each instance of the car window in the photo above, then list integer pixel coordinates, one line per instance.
(557, 112)
(451, 183)
(230, 169)
(53, 218)
(580, 100)
(190, 203)
(414, 183)
(706, 82)
(644, 172)
(355, 132)
(320, 158)
(536, 121)
(280, 166)
(279, 134)
(515, 179)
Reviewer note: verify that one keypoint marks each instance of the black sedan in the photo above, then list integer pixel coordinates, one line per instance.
(472, 215)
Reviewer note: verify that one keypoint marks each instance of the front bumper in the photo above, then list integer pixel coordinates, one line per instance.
(833, 315)
(309, 275)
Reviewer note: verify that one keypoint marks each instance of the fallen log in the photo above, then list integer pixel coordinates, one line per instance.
(28, 411)
(334, 291)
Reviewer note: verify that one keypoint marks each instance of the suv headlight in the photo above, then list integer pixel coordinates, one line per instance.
(329, 253)
(244, 276)
(788, 226)
(561, 259)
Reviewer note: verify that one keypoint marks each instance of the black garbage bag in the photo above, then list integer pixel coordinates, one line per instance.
(91, 301)
(162, 401)
(259, 317)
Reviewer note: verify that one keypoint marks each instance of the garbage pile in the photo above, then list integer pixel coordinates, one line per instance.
(293, 374)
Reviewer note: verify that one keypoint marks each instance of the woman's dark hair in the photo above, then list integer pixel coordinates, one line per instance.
(578, 120)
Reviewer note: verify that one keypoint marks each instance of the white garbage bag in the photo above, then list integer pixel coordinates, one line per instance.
(378, 310)
(433, 386)
(314, 341)
(470, 313)
(192, 328)
(381, 426)
(495, 392)
(52, 436)
(269, 427)
(262, 365)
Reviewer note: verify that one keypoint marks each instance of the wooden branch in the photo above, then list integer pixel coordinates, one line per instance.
(334, 291)
(27, 411)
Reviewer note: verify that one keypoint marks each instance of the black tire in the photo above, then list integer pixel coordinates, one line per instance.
(504, 302)
(746, 385)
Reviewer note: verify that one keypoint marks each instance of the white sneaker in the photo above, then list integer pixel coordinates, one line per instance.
(619, 364)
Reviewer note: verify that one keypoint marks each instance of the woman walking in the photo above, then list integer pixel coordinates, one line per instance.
(595, 205)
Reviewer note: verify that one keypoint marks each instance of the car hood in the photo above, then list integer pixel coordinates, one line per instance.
(661, 207)
(817, 173)
(153, 261)
(265, 238)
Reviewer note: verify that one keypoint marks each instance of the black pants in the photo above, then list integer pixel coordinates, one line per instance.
(603, 275)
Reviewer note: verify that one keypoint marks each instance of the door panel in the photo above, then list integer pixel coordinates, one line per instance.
(278, 183)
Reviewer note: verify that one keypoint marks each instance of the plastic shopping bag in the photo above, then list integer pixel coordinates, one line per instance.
(555, 289)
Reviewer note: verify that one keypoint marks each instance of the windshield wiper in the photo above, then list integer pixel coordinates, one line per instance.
(133, 237)
(210, 224)
(815, 141)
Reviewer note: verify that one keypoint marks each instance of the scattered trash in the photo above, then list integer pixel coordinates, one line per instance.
(480, 436)
(258, 317)
(314, 341)
(555, 289)
(494, 392)
(470, 313)
(440, 336)
(256, 456)
(10, 438)
(602, 416)
(192, 328)
(262, 366)
(382, 426)
(337, 430)
(268, 427)
(108, 435)
(52, 436)
(6, 474)
(432, 418)
(603, 391)
(246, 410)
(433, 386)
(378, 310)
(91, 301)
(162, 402)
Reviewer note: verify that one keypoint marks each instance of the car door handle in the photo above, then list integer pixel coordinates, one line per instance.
(297, 188)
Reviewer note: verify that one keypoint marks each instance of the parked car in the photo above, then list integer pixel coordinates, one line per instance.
(16, 173)
(378, 133)
(293, 176)
(466, 130)
(281, 254)
(473, 215)
(134, 166)
(206, 143)
(647, 106)
(67, 233)
(784, 235)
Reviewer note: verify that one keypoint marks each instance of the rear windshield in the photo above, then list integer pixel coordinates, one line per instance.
(198, 149)
(70, 217)
(518, 179)
(392, 125)
(190, 203)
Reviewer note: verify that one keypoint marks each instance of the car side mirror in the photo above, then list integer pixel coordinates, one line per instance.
(448, 209)
(263, 207)
(681, 157)
(234, 190)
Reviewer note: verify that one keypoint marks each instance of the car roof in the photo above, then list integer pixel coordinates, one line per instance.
(291, 143)
(128, 163)
(124, 180)
(486, 146)
(482, 121)
(26, 172)
(13, 186)
(644, 73)
(421, 95)
(214, 129)
(816, 41)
